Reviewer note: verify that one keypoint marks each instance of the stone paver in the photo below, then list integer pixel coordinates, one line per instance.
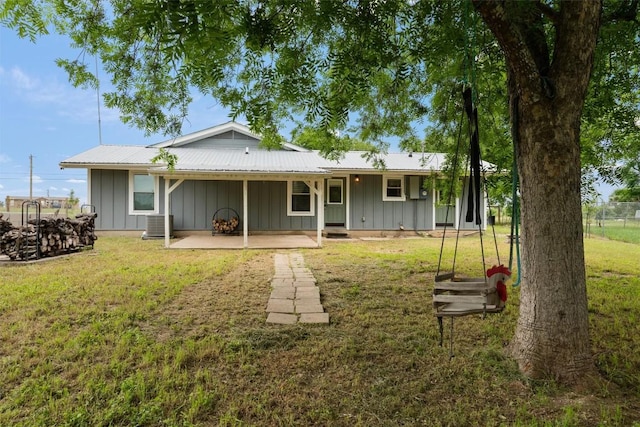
(295, 296)
(283, 293)
(280, 306)
(282, 319)
(314, 318)
(309, 308)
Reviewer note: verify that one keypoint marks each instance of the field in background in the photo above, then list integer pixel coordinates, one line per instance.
(130, 333)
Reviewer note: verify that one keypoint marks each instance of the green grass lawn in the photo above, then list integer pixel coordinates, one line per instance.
(130, 333)
(624, 231)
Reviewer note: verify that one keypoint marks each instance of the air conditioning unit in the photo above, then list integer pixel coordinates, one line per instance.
(155, 226)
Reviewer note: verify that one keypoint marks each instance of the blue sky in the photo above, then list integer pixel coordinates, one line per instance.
(43, 115)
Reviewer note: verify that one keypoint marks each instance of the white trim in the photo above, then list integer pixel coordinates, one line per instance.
(290, 211)
(385, 181)
(156, 194)
(167, 213)
(433, 202)
(320, 220)
(89, 201)
(347, 220)
(245, 214)
(334, 181)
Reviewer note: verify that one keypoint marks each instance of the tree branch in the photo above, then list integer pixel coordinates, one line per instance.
(626, 12)
(575, 45)
(549, 12)
(518, 54)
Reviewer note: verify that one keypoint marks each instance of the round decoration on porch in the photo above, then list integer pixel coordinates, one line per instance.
(225, 221)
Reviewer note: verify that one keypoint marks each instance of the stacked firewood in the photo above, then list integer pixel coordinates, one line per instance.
(48, 237)
(5, 225)
(225, 226)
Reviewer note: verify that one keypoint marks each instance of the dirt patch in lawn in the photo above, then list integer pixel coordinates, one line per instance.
(236, 299)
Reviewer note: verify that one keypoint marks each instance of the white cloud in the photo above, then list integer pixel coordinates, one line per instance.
(4, 158)
(76, 181)
(1, 186)
(21, 80)
(67, 101)
(53, 188)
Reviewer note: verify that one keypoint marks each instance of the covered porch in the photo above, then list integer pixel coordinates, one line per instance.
(313, 177)
(260, 241)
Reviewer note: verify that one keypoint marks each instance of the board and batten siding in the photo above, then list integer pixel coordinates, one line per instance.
(110, 197)
(194, 203)
(369, 212)
(471, 225)
(228, 140)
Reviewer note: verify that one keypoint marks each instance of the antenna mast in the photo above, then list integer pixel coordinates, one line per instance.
(98, 99)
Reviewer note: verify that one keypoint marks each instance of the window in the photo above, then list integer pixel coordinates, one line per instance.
(334, 192)
(143, 193)
(299, 199)
(393, 188)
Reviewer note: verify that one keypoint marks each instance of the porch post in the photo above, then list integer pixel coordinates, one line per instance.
(167, 209)
(457, 218)
(245, 212)
(320, 222)
(168, 189)
(434, 202)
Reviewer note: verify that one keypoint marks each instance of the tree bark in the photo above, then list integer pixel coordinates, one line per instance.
(547, 96)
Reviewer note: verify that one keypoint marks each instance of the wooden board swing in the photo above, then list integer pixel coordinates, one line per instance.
(454, 295)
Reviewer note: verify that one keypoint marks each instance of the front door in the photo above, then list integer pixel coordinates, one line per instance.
(442, 219)
(334, 206)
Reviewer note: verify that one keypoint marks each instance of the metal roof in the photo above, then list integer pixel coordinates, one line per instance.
(202, 160)
(423, 162)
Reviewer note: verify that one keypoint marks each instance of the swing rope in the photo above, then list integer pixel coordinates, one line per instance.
(474, 159)
(449, 196)
(515, 214)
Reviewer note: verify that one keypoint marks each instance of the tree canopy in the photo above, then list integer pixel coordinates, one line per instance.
(630, 174)
(371, 69)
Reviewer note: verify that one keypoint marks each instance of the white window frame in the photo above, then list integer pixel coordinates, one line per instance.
(385, 183)
(290, 194)
(334, 181)
(156, 195)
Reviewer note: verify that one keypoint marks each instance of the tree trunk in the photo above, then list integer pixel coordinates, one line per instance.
(547, 96)
(552, 335)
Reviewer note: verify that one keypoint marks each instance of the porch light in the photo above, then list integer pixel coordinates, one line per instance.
(357, 178)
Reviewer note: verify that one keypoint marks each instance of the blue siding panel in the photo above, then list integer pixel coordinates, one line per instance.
(195, 202)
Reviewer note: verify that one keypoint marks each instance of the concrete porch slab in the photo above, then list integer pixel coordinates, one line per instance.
(237, 242)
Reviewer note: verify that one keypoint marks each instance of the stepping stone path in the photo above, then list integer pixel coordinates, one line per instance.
(295, 298)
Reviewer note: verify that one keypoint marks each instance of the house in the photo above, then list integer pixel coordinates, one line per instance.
(15, 202)
(223, 171)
